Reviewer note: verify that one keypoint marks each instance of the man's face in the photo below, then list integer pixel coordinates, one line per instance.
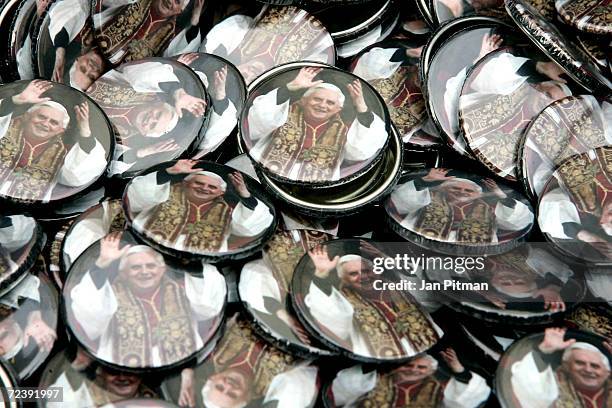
(461, 192)
(10, 333)
(168, 8)
(321, 105)
(124, 385)
(228, 389)
(202, 189)
(88, 69)
(513, 281)
(251, 70)
(352, 273)
(143, 272)
(416, 370)
(153, 119)
(44, 123)
(586, 370)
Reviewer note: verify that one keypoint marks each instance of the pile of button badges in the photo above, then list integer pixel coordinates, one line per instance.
(194, 196)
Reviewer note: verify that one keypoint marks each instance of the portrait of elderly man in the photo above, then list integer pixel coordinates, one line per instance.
(244, 371)
(415, 383)
(145, 102)
(86, 385)
(581, 381)
(128, 30)
(300, 131)
(208, 219)
(345, 310)
(27, 325)
(135, 318)
(470, 214)
(279, 35)
(37, 153)
(76, 59)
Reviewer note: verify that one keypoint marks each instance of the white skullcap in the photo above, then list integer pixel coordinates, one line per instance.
(463, 180)
(580, 345)
(433, 361)
(222, 182)
(137, 249)
(171, 124)
(209, 404)
(330, 87)
(344, 259)
(56, 106)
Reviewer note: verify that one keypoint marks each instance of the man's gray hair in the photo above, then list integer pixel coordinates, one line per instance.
(329, 87)
(433, 361)
(222, 183)
(344, 259)
(580, 345)
(52, 105)
(138, 249)
(456, 180)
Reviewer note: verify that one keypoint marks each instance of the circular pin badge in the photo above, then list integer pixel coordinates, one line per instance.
(55, 141)
(217, 213)
(227, 93)
(424, 379)
(29, 322)
(575, 207)
(19, 52)
(255, 369)
(545, 369)
(494, 111)
(445, 10)
(8, 8)
(345, 302)
(525, 286)
(347, 199)
(451, 51)
(276, 36)
(85, 383)
(157, 108)
(127, 32)
(566, 127)
(95, 223)
(264, 289)
(454, 212)
(590, 16)
(131, 308)
(314, 126)
(548, 38)
(21, 241)
(392, 68)
(64, 49)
